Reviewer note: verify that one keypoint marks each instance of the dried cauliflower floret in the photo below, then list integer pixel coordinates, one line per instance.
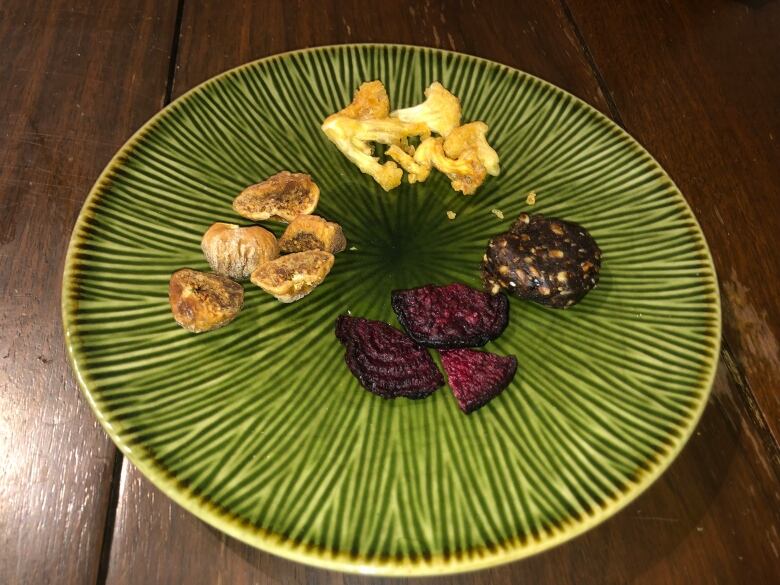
(386, 131)
(201, 301)
(472, 136)
(282, 197)
(366, 120)
(236, 251)
(291, 277)
(370, 101)
(464, 155)
(466, 173)
(311, 232)
(440, 111)
(419, 164)
(387, 174)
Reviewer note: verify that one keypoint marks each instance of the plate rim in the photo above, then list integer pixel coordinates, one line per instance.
(273, 543)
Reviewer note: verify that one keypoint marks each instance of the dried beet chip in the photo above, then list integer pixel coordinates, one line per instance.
(385, 360)
(476, 377)
(450, 316)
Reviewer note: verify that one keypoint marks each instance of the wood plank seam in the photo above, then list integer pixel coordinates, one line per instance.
(174, 53)
(108, 526)
(602, 83)
(746, 393)
(116, 472)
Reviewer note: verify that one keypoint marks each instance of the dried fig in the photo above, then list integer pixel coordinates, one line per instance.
(282, 197)
(236, 251)
(311, 232)
(201, 301)
(292, 277)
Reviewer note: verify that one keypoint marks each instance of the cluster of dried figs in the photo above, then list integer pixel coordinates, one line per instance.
(288, 268)
(452, 319)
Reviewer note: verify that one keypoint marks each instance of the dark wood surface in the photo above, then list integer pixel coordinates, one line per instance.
(76, 79)
(697, 82)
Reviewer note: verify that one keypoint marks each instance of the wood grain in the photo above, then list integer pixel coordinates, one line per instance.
(697, 84)
(712, 518)
(78, 78)
(531, 35)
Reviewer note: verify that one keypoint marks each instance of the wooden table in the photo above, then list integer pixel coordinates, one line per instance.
(696, 81)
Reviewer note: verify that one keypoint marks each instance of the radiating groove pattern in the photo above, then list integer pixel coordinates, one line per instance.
(260, 429)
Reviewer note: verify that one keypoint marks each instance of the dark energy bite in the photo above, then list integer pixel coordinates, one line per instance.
(550, 261)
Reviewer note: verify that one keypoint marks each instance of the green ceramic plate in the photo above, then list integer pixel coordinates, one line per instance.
(260, 430)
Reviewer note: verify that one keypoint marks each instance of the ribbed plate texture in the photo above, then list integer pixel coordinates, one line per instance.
(260, 429)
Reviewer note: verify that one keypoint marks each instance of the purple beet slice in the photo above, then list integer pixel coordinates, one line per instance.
(476, 377)
(450, 316)
(385, 361)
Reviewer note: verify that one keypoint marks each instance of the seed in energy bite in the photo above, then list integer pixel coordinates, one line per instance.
(450, 316)
(550, 261)
(201, 301)
(385, 361)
